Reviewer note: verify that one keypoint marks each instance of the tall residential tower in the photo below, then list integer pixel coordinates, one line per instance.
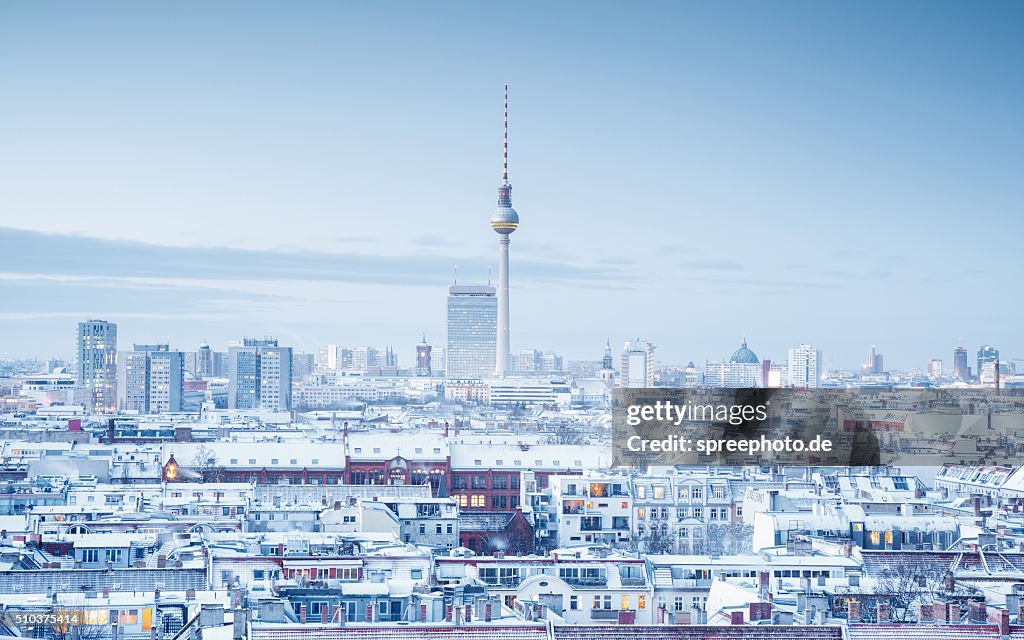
(504, 221)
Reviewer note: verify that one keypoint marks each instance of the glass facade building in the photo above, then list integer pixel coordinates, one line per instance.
(472, 332)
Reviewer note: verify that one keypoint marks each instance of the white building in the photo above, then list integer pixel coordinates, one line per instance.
(804, 367)
(637, 365)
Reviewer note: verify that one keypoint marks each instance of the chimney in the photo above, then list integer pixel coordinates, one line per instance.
(954, 613)
(337, 504)
(1001, 618)
(487, 612)
(369, 606)
(762, 584)
(469, 613)
(940, 611)
(976, 611)
(882, 611)
(735, 617)
(853, 611)
(238, 623)
(106, 592)
(449, 613)
(423, 613)
(161, 561)
(302, 613)
(759, 611)
(925, 613)
(1020, 613)
(190, 594)
(445, 428)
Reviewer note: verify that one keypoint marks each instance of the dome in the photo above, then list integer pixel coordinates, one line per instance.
(743, 355)
(505, 220)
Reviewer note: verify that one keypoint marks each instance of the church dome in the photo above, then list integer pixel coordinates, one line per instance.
(743, 355)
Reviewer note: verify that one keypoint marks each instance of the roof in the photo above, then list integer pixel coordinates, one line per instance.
(697, 632)
(485, 521)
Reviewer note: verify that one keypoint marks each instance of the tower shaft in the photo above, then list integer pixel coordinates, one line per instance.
(504, 342)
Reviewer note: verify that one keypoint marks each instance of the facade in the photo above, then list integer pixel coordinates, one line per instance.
(96, 364)
(423, 358)
(472, 320)
(987, 355)
(151, 379)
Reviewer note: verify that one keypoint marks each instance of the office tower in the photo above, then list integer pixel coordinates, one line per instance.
(96, 364)
(960, 369)
(303, 365)
(987, 354)
(934, 368)
(637, 371)
(472, 319)
(804, 367)
(390, 357)
(423, 358)
(166, 381)
(260, 375)
(132, 378)
(504, 221)
(204, 362)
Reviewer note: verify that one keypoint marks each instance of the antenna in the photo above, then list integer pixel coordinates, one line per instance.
(504, 175)
(488, 276)
(455, 280)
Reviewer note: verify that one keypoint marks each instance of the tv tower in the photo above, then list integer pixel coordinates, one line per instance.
(504, 221)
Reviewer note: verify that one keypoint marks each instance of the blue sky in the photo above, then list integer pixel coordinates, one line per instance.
(839, 174)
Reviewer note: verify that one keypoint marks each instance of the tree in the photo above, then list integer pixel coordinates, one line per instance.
(655, 540)
(907, 585)
(567, 434)
(730, 539)
(71, 620)
(205, 463)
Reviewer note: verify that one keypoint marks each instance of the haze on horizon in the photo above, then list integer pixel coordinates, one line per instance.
(841, 175)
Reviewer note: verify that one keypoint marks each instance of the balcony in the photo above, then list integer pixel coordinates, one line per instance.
(586, 581)
(637, 581)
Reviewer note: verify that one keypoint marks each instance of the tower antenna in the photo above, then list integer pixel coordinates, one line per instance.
(455, 280)
(504, 175)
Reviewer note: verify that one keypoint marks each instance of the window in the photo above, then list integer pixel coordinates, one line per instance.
(477, 500)
(625, 602)
(574, 602)
(679, 603)
(641, 602)
(697, 493)
(416, 574)
(449, 528)
(91, 555)
(112, 555)
(462, 500)
(659, 492)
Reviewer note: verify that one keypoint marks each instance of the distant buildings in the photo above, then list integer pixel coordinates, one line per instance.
(935, 369)
(96, 364)
(472, 319)
(875, 363)
(637, 365)
(987, 354)
(804, 367)
(742, 370)
(260, 375)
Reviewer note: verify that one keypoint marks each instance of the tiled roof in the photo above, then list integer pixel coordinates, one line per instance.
(697, 632)
(875, 562)
(923, 632)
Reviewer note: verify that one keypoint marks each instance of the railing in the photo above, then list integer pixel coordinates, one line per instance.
(604, 614)
(589, 581)
(638, 581)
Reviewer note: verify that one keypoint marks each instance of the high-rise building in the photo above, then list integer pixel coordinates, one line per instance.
(423, 358)
(960, 369)
(204, 362)
(96, 364)
(987, 354)
(151, 379)
(504, 221)
(804, 367)
(260, 375)
(166, 381)
(637, 370)
(472, 319)
(934, 368)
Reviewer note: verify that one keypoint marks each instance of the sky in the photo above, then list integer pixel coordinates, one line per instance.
(688, 173)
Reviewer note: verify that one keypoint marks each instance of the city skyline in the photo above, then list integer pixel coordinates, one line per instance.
(384, 177)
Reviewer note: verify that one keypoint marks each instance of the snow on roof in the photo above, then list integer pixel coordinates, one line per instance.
(545, 456)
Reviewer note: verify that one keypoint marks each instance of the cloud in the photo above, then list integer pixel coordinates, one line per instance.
(33, 252)
(715, 265)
